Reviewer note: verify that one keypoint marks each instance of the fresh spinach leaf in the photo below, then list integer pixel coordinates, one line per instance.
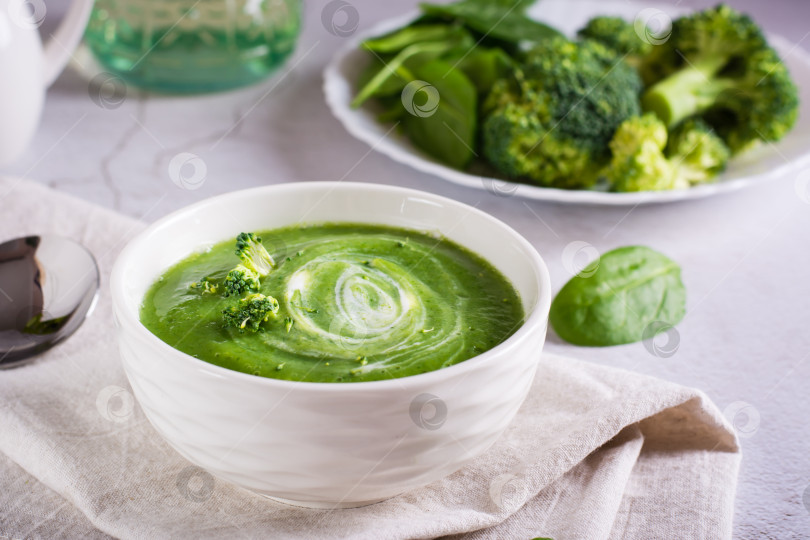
(446, 132)
(393, 69)
(499, 20)
(392, 84)
(482, 65)
(391, 109)
(615, 298)
(518, 5)
(399, 39)
(396, 72)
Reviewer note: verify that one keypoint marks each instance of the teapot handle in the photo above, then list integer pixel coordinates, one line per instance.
(58, 49)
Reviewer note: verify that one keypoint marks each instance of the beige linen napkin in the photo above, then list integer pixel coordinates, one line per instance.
(594, 453)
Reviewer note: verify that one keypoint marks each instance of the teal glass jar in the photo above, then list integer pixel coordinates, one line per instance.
(187, 46)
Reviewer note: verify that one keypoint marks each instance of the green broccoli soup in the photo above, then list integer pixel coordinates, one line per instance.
(333, 303)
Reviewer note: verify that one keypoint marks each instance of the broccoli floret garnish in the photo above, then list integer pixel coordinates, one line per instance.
(254, 256)
(205, 286)
(241, 280)
(717, 65)
(552, 120)
(643, 161)
(618, 35)
(250, 312)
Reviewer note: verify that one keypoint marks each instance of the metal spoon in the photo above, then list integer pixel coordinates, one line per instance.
(48, 286)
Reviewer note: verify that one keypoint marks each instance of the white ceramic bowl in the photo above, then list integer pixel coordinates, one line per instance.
(328, 444)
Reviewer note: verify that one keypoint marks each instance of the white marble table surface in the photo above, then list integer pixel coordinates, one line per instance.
(745, 256)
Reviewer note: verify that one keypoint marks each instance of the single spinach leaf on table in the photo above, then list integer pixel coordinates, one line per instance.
(499, 20)
(447, 132)
(613, 303)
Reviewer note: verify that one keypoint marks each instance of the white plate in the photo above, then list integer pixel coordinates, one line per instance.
(766, 162)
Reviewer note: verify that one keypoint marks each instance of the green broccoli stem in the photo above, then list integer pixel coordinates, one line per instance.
(687, 92)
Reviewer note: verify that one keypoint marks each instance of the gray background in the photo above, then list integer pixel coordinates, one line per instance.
(745, 255)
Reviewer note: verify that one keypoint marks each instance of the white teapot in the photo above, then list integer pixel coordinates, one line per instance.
(27, 68)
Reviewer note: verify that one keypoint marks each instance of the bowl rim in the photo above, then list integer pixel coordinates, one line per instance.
(536, 321)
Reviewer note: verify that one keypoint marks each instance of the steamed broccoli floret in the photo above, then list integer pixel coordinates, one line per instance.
(552, 120)
(643, 161)
(638, 162)
(250, 312)
(249, 248)
(717, 64)
(241, 280)
(617, 35)
(696, 151)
